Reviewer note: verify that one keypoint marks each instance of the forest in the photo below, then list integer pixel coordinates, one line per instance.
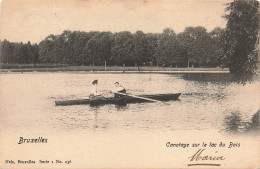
(193, 47)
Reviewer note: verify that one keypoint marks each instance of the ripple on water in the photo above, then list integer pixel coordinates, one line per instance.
(219, 105)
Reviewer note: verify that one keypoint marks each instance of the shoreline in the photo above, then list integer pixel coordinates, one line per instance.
(116, 69)
(113, 72)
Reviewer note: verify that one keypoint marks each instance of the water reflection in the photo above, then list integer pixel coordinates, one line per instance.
(121, 107)
(235, 124)
(209, 77)
(221, 77)
(255, 122)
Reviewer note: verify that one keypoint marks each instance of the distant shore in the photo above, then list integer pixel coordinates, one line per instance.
(102, 69)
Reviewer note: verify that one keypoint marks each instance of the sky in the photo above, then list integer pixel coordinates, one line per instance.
(33, 20)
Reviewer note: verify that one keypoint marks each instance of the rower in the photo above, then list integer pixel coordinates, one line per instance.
(118, 89)
(94, 94)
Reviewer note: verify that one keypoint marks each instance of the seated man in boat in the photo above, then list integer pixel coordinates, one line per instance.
(94, 94)
(118, 89)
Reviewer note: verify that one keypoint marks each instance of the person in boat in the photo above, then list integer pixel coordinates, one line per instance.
(118, 89)
(94, 94)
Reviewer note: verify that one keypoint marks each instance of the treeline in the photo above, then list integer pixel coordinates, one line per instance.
(21, 53)
(192, 47)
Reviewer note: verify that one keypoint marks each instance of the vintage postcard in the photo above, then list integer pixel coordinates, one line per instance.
(129, 84)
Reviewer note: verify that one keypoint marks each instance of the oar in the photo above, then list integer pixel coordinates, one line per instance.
(139, 97)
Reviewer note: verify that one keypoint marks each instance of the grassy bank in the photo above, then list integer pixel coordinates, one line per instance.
(56, 68)
(26, 66)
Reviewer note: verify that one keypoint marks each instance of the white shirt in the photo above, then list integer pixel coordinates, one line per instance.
(117, 89)
(94, 90)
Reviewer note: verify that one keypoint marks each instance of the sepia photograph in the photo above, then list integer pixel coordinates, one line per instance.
(129, 84)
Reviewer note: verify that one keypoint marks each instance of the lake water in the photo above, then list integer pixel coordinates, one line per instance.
(208, 102)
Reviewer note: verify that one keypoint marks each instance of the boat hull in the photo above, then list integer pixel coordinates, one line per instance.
(121, 100)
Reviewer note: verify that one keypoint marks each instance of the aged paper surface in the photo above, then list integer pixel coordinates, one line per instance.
(100, 137)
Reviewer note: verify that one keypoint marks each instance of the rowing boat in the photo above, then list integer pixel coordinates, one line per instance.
(121, 100)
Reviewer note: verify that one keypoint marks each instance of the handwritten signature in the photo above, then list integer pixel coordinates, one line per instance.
(199, 156)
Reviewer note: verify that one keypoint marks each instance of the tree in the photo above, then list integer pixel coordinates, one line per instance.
(123, 48)
(19, 52)
(91, 48)
(166, 49)
(79, 45)
(217, 58)
(35, 53)
(104, 43)
(198, 46)
(151, 47)
(65, 46)
(140, 48)
(47, 53)
(6, 52)
(241, 38)
(28, 53)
